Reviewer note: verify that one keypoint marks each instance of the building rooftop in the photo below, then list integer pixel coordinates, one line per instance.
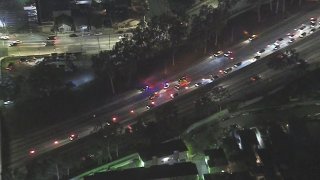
(154, 172)
(217, 157)
(226, 176)
(162, 149)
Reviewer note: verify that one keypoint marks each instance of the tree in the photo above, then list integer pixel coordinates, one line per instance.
(177, 32)
(45, 79)
(257, 4)
(104, 67)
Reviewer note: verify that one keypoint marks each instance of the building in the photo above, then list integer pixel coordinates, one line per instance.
(165, 153)
(126, 25)
(216, 159)
(180, 171)
(246, 139)
(227, 176)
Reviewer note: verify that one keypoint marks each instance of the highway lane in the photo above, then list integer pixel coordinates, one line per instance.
(43, 140)
(239, 86)
(34, 44)
(242, 81)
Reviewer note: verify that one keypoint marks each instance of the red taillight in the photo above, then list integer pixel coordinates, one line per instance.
(114, 119)
(32, 152)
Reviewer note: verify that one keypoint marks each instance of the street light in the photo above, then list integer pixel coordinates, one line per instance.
(98, 35)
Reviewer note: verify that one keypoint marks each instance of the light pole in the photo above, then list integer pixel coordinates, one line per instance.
(1, 69)
(109, 42)
(98, 38)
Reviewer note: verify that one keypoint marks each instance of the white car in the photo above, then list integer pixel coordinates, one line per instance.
(303, 35)
(312, 30)
(17, 41)
(4, 37)
(291, 40)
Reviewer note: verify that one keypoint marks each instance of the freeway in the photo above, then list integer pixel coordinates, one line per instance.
(34, 44)
(43, 140)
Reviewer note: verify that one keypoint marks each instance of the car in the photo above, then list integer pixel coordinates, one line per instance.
(237, 64)
(10, 66)
(227, 70)
(13, 44)
(177, 87)
(145, 88)
(302, 27)
(166, 85)
(73, 137)
(261, 51)
(32, 152)
(73, 35)
(98, 33)
(8, 102)
(154, 96)
(312, 30)
(313, 19)
(183, 78)
(217, 54)
(276, 47)
(149, 106)
(214, 77)
(183, 81)
(227, 54)
(52, 37)
(4, 37)
(255, 78)
(173, 95)
(198, 84)
(256, 58)
(302, 62)
(290, 35)
(280, 39)
(17, 41)
(313, 22)
(302, 35)
(291, 40)
(252, 37)
(49, 43)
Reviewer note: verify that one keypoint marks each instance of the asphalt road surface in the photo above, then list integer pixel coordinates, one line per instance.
(34, 44)
(236, 82)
